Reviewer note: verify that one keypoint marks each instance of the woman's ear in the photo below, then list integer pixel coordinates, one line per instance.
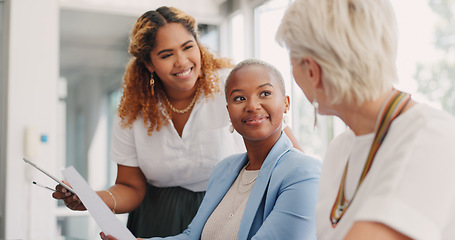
(287, 103)
(149, 67)
(314, 71)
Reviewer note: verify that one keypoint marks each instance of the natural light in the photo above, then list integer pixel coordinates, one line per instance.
(416, 34)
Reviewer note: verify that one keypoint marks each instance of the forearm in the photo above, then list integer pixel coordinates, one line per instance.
(121, 198)
(128, 191)
(373, 230)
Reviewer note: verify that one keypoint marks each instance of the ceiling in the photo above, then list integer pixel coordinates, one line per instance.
(93, 45)
(94, 37)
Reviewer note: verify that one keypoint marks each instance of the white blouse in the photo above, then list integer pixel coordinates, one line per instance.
(410, 186)
(168, 160)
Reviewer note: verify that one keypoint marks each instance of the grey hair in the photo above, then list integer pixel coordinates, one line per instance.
(256, 62)
(353, 41)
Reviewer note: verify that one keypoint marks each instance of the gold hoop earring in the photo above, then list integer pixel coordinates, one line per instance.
(152, 85)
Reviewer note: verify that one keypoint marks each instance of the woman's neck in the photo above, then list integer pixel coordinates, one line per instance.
(257, 151)
(362, 119)
(181, 96)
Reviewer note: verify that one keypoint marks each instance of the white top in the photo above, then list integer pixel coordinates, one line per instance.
(224, 222)
(168, 160)
(410, 186)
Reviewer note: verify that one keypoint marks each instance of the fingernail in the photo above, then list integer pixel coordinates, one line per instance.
(67, 194)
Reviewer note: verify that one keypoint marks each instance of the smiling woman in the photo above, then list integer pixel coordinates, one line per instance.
(171, 107)
(178, 65)
(256, 106)
(270, 191)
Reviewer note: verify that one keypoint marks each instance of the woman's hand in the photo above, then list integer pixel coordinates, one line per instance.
(109, 237)
(125, 196)
(71, 200)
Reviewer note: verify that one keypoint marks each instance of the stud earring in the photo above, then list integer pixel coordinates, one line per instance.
(152, 84)
(316, 111)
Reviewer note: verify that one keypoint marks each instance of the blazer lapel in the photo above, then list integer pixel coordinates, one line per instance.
(228, 177)
(260, 186)
(221, 187)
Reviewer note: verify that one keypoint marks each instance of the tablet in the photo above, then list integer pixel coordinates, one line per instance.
(49, 175)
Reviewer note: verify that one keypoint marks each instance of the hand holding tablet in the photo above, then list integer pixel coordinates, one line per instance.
(49, 175)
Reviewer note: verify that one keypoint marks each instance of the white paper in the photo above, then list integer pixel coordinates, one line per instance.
(103, 216)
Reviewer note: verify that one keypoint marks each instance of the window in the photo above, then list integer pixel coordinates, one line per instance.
(209, 36)
(426, 62)
(267, 18)
(237, 38)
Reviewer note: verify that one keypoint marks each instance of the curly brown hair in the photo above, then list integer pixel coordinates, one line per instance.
(137, 99)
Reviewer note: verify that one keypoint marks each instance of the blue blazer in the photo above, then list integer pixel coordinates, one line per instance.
(282, 201)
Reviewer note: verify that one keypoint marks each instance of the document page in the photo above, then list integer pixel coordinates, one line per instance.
(103, 216)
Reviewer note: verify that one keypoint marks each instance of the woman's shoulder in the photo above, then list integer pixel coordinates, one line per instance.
(424, 119)
(228, 164)
(298, 162)
(294, 167)
(428, 114)
(234, 158)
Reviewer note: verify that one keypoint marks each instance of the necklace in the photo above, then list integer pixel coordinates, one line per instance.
(183, 110)
(243, 183)
(392, 108)
(243, 193)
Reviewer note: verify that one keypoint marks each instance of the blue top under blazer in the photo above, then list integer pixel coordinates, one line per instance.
(282, 201)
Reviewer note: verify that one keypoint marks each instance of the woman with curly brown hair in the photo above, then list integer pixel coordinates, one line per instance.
(172, 126)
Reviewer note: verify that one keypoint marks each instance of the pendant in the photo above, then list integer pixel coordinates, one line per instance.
(339, 211)
(390, 109)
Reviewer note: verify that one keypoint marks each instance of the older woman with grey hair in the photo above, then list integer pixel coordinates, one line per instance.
(390, 174)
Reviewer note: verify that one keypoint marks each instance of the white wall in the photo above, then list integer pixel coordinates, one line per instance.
(32, 102)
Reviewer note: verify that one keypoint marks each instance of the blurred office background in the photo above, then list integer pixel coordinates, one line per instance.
(61, 67)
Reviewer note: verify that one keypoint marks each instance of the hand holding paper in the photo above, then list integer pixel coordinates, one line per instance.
(103, 216)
